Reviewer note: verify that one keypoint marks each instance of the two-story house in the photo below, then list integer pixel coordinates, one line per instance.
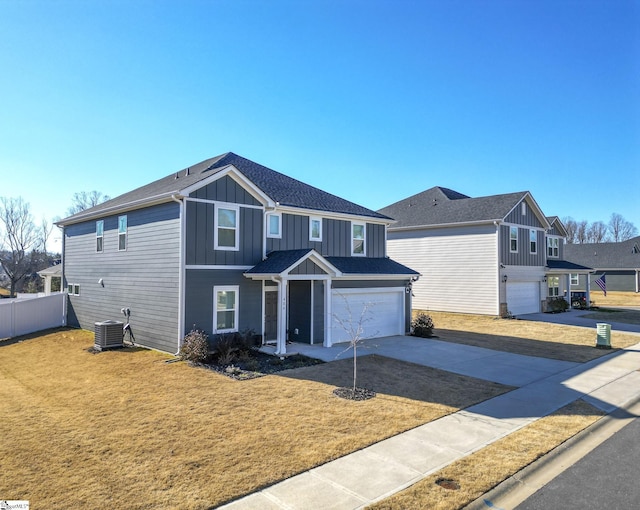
(228, 245)
(489, 255)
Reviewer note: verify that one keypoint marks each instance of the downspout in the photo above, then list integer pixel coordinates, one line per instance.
(498, 275)
(181, 271)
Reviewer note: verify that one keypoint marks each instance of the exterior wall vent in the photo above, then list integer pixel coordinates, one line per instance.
(108, 335)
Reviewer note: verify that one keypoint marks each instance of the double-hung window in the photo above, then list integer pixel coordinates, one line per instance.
(554, 286)
(227, 235)
(358, 238)
(122, 233)
(315, 229)
(225, 308)
(513, 239)
(552, 247)
(99, 236)
(575, 279)
(533, 241)
(274, 225)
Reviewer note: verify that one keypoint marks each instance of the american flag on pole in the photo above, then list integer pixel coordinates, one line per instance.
(602, 283)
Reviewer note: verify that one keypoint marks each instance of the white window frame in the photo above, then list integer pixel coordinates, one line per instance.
(553, 247)
(229, 207)
(553, 283)
(313, 219)
(277, 235)
(533, 242)
(236, 310)
(73, 289)
(99, 236)
(121, 233)
(575, 278)
(511, 230)
(364, 239)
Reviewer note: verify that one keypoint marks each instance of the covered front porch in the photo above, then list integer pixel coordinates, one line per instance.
(315, 300)
(559, 275)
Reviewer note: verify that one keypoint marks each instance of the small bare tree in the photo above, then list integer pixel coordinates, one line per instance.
(18, 235)
(354, 328)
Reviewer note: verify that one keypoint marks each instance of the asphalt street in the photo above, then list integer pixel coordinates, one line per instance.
(607, 477)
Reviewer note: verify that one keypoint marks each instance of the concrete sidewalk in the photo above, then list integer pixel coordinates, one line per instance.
(376, 472)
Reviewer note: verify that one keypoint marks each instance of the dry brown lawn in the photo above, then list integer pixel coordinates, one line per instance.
(126, 429)
(556, 341)
(613, 299)
(483, 470)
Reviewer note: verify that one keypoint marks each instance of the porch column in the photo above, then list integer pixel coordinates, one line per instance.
(281, 342)
(588, 287)
(47, 285)
(568, 295)
(328, 313)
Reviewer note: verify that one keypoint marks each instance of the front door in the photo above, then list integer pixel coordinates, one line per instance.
(271, 316)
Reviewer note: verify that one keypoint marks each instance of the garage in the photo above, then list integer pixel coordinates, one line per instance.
(384, 317)
(523, 297)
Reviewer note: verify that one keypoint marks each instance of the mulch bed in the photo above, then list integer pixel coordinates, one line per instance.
(359, 394)
(259, 364)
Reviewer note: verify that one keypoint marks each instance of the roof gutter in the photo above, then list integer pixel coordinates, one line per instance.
(107, 211)
(446, 225)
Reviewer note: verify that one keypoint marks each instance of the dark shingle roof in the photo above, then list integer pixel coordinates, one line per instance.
(370, 265)
(441, 206)
(624, 255)
(566, 265)
(278, 261)
(279, 187)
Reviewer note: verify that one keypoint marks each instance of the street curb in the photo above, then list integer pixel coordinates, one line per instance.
(517, 488)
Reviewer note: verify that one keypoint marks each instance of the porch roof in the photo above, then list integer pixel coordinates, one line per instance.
(278, 263)
(565, 265)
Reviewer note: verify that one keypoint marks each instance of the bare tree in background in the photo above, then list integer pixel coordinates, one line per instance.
(571, 226)
(44, 232)
(84, 200)
(581, 231)
(18, 235)
(621, 229)
(597, 232)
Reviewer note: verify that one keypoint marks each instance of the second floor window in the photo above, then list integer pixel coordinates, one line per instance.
(273, 225)
(533, 241)
(122, 233)
(99, 235)
(226, 235)
(315, 229)
(552, 247)
(358, 234)
(513, 239)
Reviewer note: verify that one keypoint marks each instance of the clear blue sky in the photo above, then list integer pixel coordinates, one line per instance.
(370, 100)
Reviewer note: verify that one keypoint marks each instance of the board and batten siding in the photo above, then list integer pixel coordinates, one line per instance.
(143, 278)
(459, 267)
(336, 237)
(523, 257)
(199, 284)
(529, 218)
(200, 229)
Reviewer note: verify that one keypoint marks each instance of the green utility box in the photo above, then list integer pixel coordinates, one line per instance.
(603, 337)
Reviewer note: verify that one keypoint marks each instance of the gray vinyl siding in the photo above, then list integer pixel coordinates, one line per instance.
(199, 299)
(523, 257)
(144, 277)
(336, 237)
(200, 237)
(225, 189)
(529, 219)
(620, 281)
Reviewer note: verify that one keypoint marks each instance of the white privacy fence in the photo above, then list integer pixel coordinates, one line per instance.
(23, 316)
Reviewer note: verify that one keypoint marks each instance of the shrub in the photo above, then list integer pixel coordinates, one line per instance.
(195, 346)
(422, 326)
(226, 348)
(558, 304)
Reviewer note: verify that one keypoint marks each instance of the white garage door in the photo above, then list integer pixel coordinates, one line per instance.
(523, 297)
(384, 316)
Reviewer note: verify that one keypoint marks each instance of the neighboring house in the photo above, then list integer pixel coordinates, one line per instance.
(228, 245)
(619, 261)
(489, 255)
